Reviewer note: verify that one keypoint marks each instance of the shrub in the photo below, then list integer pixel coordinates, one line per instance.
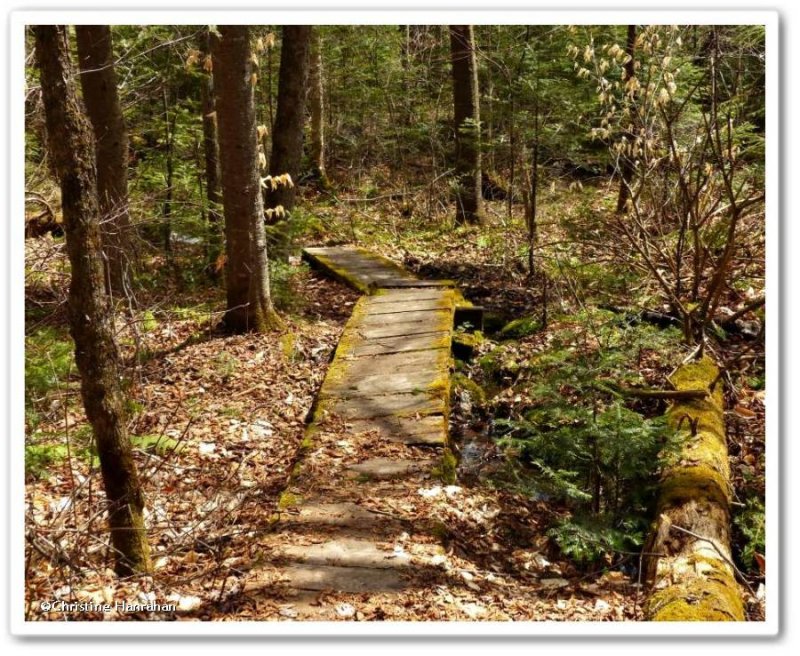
(580, 443)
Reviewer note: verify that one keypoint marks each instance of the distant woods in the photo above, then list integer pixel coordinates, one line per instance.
(451, 119)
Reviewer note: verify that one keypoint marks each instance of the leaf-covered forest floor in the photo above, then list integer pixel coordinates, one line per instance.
(218, 422)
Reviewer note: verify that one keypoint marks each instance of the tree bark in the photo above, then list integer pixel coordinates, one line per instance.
(169, 172)
(626, 164)
(407, 108)
(469, 201)
(99, 86)
(287, 133)
(91, 321)
(211, 155)
(534, 190)
(249, 306)
(693, 579)
(316, 101)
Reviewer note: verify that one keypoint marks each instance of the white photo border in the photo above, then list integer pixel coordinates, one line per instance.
(20, 19)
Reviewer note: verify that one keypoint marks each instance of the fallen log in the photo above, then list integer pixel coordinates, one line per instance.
(692, 577)
(660, 319)
(732, 324)
(669, 395)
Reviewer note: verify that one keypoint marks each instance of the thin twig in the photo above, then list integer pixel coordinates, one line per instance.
(724, 557)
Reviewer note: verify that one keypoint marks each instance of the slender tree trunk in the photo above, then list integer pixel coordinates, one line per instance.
(270, 102)
(99, 86)
(287, 133)
(626, 164)
(469, 201)
(407, 111)
(534, 192)
(211, 156)
(512, 151)
(247, 272)
(405, 53)
(169, 137)
(91, 321)
(488, 46)
(316, 101)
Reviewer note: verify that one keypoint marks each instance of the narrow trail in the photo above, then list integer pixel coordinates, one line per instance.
(386, 395)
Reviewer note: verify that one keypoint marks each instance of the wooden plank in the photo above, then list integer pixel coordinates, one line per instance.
(397, 329)
(381, 308)
(346, 552)
(345, 514)
(345, 579)
(409, 295)
(401, 361)
(398, 344)
(437, 316)
(402, 284)
(383, 469)
(397, 405)
(398, 383)
(357, 267)
(430, 430)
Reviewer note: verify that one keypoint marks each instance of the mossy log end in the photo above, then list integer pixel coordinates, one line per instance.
(693, 578)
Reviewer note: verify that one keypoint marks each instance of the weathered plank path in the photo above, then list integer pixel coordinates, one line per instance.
(367, 271)
(379, 431)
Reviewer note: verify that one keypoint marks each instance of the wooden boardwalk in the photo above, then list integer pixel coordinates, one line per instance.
(366, 271)
(378, 434)
(391, 369)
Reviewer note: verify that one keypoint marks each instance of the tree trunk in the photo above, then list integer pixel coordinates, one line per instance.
(693, 579)
(169, 173)
(626, 163)
(407, 108)
(211, 156)
(287, 133)
(469, 202)
(91, 320)
(316, 101)
(249, 305)
(534, 193)
(99, 85)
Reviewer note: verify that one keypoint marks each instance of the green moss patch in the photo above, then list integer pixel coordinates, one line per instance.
(466, 344)
(158, 444)
(289, 500)
(693, 483)
(39, 458)
(519, 328)
(339, 273)
(475, 391)
(714, 599)
(447, 470)
(700, 470)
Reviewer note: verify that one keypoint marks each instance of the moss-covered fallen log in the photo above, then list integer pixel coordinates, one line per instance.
(693, 578)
